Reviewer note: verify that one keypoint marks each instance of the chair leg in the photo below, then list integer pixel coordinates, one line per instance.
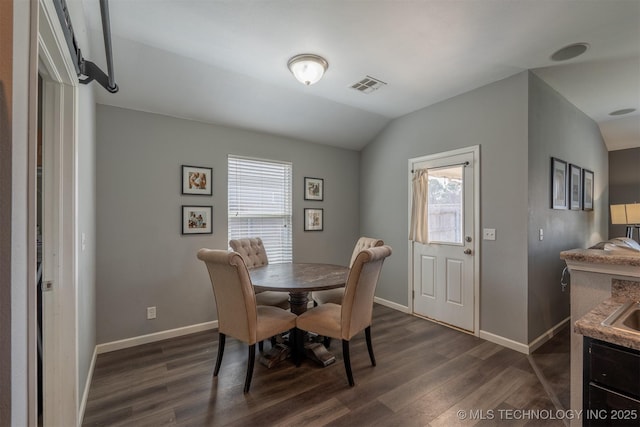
(250, 363)
(367, 333)
(221, 340)
(347, 361)
(261, 346)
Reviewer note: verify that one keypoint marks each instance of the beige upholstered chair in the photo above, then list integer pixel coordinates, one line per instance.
(238, 314)
(335, 295)
(354, 315)
(254, 255)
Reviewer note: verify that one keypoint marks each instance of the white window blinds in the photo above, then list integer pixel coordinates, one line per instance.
(259, 204)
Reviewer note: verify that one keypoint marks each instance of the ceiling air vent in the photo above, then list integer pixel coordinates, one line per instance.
(368, 84)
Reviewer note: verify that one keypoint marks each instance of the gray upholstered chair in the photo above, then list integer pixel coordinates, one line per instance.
(335, 295)
(354, 315)
(254, 255)
(238, 314)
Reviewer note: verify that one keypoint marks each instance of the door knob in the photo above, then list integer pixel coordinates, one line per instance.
(467, 251)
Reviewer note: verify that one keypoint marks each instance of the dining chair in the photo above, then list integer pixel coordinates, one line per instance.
(252, 250)
(335, 295)
(238, 314)
(346, 320)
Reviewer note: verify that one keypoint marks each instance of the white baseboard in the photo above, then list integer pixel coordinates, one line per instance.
(505, 342)
(535, 344)
(87, 386)
(391, 304)
(497, 339)
(156, 336)
(520, 347)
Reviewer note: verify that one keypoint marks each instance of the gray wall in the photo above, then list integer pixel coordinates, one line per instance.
(143, 260)
(494, 117)
(86, 225)
(624, 183)
(558, 129)
(86, 209)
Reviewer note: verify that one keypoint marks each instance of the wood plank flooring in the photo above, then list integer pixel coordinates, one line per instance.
(425, 374)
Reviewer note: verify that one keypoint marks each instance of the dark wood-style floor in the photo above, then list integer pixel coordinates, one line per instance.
(425, 374)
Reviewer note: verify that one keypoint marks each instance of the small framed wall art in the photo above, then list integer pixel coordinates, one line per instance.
(313, 219)
(558, 184)
(313, 188)
(587, 190)
(575, 187)
(196, 180)
(197, 220)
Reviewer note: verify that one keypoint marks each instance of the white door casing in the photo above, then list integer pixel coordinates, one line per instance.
(59, 331)
(444, 272)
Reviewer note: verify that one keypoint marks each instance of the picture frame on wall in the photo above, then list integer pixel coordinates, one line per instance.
(559, 186)
(575, 187)
(313, 219)
(197, 219)
(196, 180)
(313, 188)
(587, 190)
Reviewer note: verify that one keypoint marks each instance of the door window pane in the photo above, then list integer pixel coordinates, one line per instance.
(445, 206)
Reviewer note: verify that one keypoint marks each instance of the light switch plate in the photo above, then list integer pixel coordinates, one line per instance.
(489, 234)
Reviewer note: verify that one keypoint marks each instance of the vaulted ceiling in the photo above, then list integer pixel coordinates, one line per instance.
(225, 62)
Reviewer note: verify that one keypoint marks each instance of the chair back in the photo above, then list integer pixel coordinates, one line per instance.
(251, 250)
(357, 303)
(364, 243)
(233, 292)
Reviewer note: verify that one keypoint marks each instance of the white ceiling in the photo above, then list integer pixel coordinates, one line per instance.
(225, 61)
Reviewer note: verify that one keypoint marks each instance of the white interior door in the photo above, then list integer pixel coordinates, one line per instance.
(444, 268)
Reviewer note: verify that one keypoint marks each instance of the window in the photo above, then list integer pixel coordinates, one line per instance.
(259, 204)
(445, 205)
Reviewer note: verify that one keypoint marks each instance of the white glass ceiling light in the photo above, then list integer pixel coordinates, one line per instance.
(307, 68)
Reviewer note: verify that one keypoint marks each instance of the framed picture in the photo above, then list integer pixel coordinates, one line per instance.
(196, 180)
(197, 220)
(575, 187)
(313, 219)
(587, 190)
(313, 188)
(558, 184)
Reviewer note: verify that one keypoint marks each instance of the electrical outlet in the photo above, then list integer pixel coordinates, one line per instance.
(541, 234)
(489, 234)
(151, 313)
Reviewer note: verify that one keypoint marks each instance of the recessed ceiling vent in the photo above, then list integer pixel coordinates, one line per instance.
(368, 85)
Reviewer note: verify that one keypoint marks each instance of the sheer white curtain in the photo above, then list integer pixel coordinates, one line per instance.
(418, 227)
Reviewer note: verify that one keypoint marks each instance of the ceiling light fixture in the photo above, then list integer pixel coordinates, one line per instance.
(570, 52)
(308, 68)
(622, 111)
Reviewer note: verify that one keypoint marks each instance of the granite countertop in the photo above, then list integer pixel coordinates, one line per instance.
(590, 324)
(600, 256)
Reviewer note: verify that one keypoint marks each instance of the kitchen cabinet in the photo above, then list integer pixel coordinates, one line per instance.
(611, 384)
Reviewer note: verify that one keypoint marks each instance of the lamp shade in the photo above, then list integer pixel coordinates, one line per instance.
(308, 68)
(618, 214)
(633, 213)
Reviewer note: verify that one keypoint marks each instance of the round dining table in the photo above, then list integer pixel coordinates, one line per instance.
(298, 279)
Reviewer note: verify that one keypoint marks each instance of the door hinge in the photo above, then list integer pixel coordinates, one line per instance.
(413, 294)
